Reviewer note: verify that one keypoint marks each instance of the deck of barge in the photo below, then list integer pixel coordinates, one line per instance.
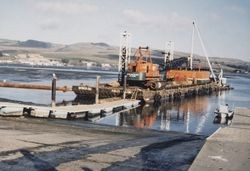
(171, 92)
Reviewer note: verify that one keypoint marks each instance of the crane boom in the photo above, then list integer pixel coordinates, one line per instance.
(205, 51)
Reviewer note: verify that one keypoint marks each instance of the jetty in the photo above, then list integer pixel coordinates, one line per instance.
(229, 147)
(67, 112)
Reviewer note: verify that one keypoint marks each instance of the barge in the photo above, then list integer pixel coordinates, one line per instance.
(143, 80)
(169, 93)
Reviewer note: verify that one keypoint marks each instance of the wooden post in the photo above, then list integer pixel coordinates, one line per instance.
(97, 89)
(53, 91)
(124, 86)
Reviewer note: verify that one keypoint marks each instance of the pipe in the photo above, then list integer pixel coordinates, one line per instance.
(33, 86)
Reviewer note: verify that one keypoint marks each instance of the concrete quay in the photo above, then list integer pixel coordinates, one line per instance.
(46, 144)
(228, 148)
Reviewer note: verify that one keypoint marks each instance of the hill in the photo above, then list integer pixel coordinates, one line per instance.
(100, 52)
(34, 44)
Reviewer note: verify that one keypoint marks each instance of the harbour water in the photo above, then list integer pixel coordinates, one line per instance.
(68, 77)
(193, 115)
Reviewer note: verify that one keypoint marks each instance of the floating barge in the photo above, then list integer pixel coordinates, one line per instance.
(170, 93)
(141, 79)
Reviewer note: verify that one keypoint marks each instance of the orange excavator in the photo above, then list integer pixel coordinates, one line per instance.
(142, 71)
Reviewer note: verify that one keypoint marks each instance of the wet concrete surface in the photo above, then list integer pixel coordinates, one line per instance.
(42, 144)
(228, 148)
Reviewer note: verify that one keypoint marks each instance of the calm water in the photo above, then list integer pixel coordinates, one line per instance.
(193, 115)
(43, 77)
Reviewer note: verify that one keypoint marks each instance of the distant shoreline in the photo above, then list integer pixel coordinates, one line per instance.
(92, 70)
(230, 75)
(68, 69)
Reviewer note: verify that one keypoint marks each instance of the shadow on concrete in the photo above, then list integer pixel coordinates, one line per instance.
(38, 163)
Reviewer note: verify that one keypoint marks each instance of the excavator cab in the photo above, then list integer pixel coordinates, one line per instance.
(142, 71)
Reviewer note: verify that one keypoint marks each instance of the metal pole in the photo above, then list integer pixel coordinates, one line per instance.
(97, 89)
(53, 91)
(124, 86)
(192, 50)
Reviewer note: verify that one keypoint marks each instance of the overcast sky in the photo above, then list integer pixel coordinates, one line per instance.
(224, 24)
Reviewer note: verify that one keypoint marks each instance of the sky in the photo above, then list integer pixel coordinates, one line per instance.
(224, 24)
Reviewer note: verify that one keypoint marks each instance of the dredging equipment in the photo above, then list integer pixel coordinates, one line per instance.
(142, 71)
(140, 78)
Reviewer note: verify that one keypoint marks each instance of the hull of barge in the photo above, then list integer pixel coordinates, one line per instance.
(87, 93)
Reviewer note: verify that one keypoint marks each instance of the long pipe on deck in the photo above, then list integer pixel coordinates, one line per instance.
(33, 86)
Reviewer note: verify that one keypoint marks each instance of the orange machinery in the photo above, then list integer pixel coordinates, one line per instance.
(142, 71)
(191, 76)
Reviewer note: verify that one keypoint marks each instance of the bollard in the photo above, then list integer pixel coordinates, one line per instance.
(53, 91)
(97, 89)
(124, 86)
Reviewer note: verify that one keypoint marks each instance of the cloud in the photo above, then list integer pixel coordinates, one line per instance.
(235, 9)
(50, 24)
(177, 21)
(169, 21)
(64, 7)
(215, 17)
(135, 17)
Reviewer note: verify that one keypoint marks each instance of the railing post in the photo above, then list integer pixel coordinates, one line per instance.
(124, 86)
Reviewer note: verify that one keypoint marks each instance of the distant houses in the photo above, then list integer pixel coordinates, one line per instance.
(106, 67)
(87, 64)
(35, 59)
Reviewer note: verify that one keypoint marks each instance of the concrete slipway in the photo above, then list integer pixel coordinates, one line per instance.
(49, 144)
(228, 148)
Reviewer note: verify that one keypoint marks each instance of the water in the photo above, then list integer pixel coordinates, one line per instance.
(193, 115)
(43, 77)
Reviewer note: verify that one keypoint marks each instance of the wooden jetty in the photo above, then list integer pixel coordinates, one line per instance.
(67, 112)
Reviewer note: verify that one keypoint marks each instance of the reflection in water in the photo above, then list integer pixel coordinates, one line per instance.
(189, 115)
